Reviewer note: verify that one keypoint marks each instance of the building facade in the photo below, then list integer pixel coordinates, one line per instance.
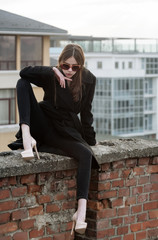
(23, 42)
(125, 101)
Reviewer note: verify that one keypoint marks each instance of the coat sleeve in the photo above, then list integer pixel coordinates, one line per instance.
(38, 75)
(86, 112)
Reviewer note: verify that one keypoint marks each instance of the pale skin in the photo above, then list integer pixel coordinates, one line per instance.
(27, 138)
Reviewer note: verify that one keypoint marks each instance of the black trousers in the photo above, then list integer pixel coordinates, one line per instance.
(42, 130)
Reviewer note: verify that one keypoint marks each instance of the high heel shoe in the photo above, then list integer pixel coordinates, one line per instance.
(28, 154)
(80, 227)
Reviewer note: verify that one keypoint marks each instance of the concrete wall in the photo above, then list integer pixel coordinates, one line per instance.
(38, 197)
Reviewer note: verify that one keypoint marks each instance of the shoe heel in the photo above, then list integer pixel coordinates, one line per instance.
(36, 152)
(73, 226)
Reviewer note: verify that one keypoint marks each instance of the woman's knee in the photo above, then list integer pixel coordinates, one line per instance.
(22, 83)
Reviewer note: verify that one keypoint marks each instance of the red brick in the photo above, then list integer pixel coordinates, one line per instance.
(104, 186)
(152, 169)
(36, 211)
(71, 183)
(118, 183)
(106, 213)
(46, 238)
(95, 205)
(142, 198)
(17, 192)
(154, 196)
(131, 163)
(122, 230)
(138, 171)
(142, 217)
(123, 192)
(126, 173)
(150, 205)
(71, 194)
(4, 194)
(44, 199)
(34, 188)
(129, 219)
(143, 161)
(62, 236)
(8, 205)
(137, 190)
(116, 221)
(153, 233)
(131, 182)
(59, 175)
(43, 177)
(117, 202)
(6, 238)
(105, 166)
(123, 211)
(143, 180)
(69, 205)
(154, 178)
(30, 178)
(4, 217)
(150, 224)
(107, 194)
(108, 175)
(137, 209)
(153, 214)
(135, 227)
(27, 224)
(19, 214)
(117, 238)
(104, 233)
(155, 160)
(102, 224)
(130, 201)
(8, 227)
(60, 196)
(52, 208)
(36, 233)
(141, 235)
(128, 237)
(7, 181)
(69, 173)
(151, 187)
(20, 236)
(118, 164)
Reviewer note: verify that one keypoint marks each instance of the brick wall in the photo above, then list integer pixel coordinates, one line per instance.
(123, 199)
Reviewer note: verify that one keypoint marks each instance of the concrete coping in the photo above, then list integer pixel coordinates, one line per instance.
(11, 163)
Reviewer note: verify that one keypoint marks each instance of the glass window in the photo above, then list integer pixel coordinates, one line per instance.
(99, 65)
(7, 106)
(123, 65)
(130, 65)
(7, 53)
(31, 51)
(116, 64)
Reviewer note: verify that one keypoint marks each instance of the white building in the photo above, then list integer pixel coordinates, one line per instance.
(125, 102)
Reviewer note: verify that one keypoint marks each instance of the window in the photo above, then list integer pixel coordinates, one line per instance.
(130, 65)
(99, 65)
(31, 51)
(116, 65)
(7, 106)
(7, 53)
(123, 65)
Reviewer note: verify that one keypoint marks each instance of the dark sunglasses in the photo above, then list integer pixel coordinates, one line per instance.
(67, 66)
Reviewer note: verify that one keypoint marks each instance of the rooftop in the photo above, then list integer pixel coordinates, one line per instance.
(11, 23)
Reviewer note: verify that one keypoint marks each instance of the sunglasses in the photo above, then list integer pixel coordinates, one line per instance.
(67, 66)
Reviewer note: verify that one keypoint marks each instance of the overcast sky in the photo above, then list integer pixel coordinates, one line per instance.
(102, 18)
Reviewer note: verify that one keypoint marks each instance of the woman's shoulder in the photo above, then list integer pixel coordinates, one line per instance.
(88, 76)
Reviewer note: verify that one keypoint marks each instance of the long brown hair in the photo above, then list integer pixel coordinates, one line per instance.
(74, 50)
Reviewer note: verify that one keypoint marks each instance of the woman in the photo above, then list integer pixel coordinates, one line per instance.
(68, 90)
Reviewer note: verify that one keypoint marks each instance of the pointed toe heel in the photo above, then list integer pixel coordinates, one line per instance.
(28, 154)
(80, 227)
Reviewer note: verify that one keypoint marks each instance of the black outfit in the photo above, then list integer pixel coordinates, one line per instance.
(54, 122)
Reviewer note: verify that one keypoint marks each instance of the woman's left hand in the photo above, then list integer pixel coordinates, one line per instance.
(61, 78)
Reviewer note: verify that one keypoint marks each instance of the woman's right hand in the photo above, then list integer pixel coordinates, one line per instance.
(61, 78)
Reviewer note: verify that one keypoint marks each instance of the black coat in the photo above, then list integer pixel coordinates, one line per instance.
(59, 106)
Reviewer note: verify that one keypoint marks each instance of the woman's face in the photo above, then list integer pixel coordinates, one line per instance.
(70, 73)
